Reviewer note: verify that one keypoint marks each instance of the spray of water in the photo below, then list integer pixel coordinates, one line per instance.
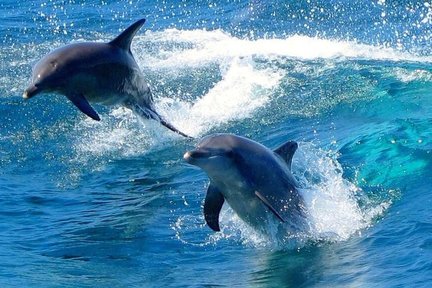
(333, 212)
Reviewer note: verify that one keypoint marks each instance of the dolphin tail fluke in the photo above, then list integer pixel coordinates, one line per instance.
(150, 114)
(172, 128)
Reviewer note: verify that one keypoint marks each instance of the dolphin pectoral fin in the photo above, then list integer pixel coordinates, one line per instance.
(212, 207)
(124, 40)
(83, 105)
(269, 205)
(286, 151)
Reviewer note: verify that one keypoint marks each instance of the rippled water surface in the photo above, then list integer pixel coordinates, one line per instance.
(112, 203)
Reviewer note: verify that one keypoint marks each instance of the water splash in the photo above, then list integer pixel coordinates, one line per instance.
(332, 204)
(120, 132)
(331, 201)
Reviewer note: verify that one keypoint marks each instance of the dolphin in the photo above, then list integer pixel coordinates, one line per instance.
(255, 181)
(105, 73)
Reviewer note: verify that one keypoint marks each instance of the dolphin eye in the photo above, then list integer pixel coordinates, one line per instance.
(230, 154)
(53, 64)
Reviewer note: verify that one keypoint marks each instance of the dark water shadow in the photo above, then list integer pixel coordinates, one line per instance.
(298, 268)
(312, 266)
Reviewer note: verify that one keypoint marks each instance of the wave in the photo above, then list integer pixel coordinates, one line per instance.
(197, 47)
(232, 79)
(206, 80)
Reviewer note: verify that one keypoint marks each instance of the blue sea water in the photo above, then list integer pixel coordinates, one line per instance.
(113, 204)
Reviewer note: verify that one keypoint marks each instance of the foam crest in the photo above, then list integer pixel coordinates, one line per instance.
(200, 47)
(243, 86)
(407, 76)
(241, 91)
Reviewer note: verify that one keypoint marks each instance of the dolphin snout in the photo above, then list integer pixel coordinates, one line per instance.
(196, 155)
(187, 156)
(31, 91)
(193, 156)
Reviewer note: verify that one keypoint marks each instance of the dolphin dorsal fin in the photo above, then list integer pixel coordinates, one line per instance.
(286, 151)
(124, 40)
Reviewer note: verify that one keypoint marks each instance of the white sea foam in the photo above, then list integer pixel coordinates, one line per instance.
(120, 134)
(199, 47)
(333, 212)
(241, 91)
(407, 76)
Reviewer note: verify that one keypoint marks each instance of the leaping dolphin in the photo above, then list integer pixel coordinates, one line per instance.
(105, 73)
(255, 181)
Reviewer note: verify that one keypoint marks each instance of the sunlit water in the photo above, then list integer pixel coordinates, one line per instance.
(112, 203)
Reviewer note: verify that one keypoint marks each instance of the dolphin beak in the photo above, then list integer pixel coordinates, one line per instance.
(192, 156)
(187, 156)
(31, 91)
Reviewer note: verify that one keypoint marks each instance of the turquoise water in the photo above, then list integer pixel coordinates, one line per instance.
(112, 203)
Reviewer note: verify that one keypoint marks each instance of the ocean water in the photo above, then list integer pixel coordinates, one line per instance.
(113, 204)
